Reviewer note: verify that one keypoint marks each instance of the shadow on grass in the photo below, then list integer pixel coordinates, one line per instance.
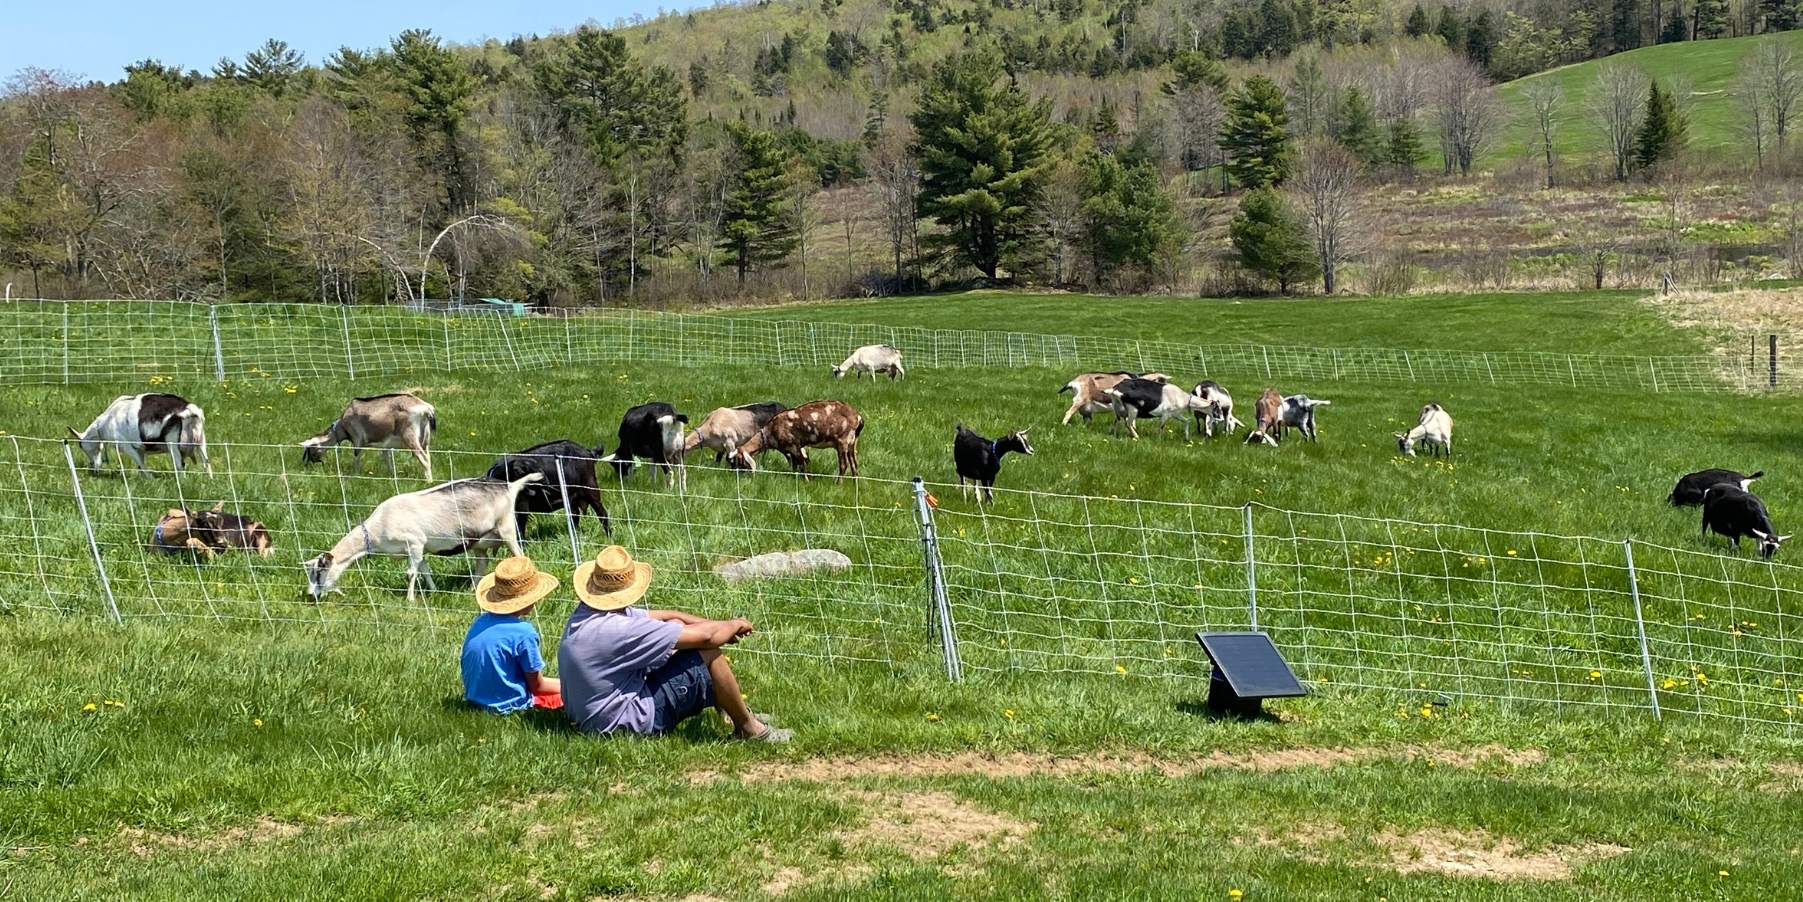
(1197, 708)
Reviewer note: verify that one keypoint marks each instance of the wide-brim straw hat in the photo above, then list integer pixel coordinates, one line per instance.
(515, 585)
(613, 580)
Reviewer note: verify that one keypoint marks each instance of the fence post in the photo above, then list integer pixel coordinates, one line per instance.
(446, 322)
(1654, 370)
(942, 609)
(1488, 369)
(81, 503)
(1646, 655)
(569, 513)
(1251, 574)
(569, 343)
(344, 323)
(65, 344)
(1265, 350)
(1410, 364)
(1572, 369)
(218, 349)
(1336, 363)
(1772, 361)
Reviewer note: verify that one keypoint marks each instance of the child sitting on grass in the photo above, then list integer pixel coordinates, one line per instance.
(502, 668)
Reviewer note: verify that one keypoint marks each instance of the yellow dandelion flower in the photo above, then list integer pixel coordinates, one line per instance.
(1596, 674)
(1008, 713)
(1511, 552)
(933, 718)
(1721, 873)
(1234, 894)
(1119, 669)
(256, 722)
(89, 707)
(1133, 579)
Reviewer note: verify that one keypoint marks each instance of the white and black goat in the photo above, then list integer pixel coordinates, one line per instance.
(872, 359)
(1299, 413)
(1691, 486)
(1220, 408)
(385, 422)
(464, 515)
(1136, 398)
(1434, 433)
(979, 459)
(1733, 512)
(152, 423)
(653, 431)
(1089, 392)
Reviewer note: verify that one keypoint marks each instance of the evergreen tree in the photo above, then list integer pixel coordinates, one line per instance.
(1256, 135)
(1358, 128)
(1404, 149)
(1129, 220)
(1279, 28)
(1781, 15)
(1417, 24)
(758, 229)
(1676, 28)
(438, 88)
(1451, 27)
(1480, 39)
(1662, 133)
(1711, 19)
(982, 147)
(600, 92)
(1272, 239)
(1624, 30)
(1193, 68)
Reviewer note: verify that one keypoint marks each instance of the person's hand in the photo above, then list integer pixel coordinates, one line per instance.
(741, 627)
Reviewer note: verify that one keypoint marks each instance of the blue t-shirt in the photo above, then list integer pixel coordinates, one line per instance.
(498, 652)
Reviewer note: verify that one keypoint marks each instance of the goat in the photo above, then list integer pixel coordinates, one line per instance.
(1220, 408)
(653, 431)
(727, 428)
(1137, 398)
(872, 359)
(1434, 432)
(384, 421)
(1299, 413)
(1732, 512)
(1267, 418)
(979, 459)
(565, 458)
(816, 424)
(148, 424)
(1089, 391)
(452, 518)
(1691, 486)
(209, 531)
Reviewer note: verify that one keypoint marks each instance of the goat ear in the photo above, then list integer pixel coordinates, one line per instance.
(1783, 538)
(326, 559)
(72, 431)
(1759, 534)
(219, 507)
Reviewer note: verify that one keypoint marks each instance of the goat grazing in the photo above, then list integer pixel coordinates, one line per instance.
(1089, 392)
(1691, 486)
(1137, 398)
(653, 431)
(1267, 418)
(816, 424)
(1732, 512)
(872, 359)
(386, 422)
(979, 459)
(565, 458)
(727, 428)
(152, 423)
(209, 531)
(1434, 432)
(452, 518)
(1299, 414)
(1220, 408)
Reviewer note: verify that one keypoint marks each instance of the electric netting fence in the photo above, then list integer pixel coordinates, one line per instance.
(1035, 583)
(65, 342)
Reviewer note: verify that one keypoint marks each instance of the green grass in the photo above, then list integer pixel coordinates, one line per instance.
(366, 779)
(1710, 67)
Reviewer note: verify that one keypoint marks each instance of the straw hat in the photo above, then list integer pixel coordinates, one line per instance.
(514, 586)
(613, 580)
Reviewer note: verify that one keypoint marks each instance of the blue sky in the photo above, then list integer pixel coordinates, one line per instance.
(97, 38)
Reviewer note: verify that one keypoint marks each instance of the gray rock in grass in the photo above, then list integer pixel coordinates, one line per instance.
(783, 563)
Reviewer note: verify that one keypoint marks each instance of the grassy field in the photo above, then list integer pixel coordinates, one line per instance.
(1710, 66)
(330, 759)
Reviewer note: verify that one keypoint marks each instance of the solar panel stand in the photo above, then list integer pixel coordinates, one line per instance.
(1247, 670)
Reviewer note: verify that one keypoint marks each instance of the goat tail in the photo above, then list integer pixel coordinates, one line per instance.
(1755, 475)
(1070, 386)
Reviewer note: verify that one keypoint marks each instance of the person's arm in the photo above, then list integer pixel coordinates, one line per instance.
(676, 617)
(713, 633)
(539, 684)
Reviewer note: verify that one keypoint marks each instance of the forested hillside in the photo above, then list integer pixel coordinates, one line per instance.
(827, 147)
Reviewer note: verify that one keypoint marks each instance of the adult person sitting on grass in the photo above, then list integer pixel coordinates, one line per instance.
(643, 671)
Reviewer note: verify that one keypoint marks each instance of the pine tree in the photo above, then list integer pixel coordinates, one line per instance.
(1279, 30)
(1404, 149)
(1358, 128)
(1781, 15)
(1711, 19)
(758, 229)
(1480, 39)
(1451, 27)
(1256, 136)
(1272, 239)
(1193, 68)
(1129, 220)
(982, 147)
(1624, 32)
(1662, 133)
(1417, 24)
(1676, 28)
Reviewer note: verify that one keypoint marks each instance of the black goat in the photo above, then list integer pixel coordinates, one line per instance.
(546, 496)
(979, 459)
(1691, 486)
(652, 431)
(1732, 512)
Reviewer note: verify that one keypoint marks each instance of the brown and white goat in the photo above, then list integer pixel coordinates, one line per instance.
(727, 428)
(1267, 418)
(1089, 392)
(209, 531)
(816, 424)
(1434, 432)
(384, 421)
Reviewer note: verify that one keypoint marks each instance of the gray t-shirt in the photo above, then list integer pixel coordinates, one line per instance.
(603, 660)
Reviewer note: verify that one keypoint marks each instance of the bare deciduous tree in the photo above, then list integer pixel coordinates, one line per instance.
(1199, 115)
(1619, 104)
(1773, 74)
(1327, 187)
(1546, 97)
(896, 179)
(1469, 113)
(1750, 103)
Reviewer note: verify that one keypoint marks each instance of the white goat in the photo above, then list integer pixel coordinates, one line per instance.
(386, 422)
(872, 359)
(1434, 433)
(459, 516)
(1299, 413)
(148, 424)
(1220, 408)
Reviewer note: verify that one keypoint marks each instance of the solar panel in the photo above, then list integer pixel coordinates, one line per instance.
(1251, 665)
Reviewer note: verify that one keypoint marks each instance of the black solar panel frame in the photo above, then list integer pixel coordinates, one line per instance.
(1251, 665)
